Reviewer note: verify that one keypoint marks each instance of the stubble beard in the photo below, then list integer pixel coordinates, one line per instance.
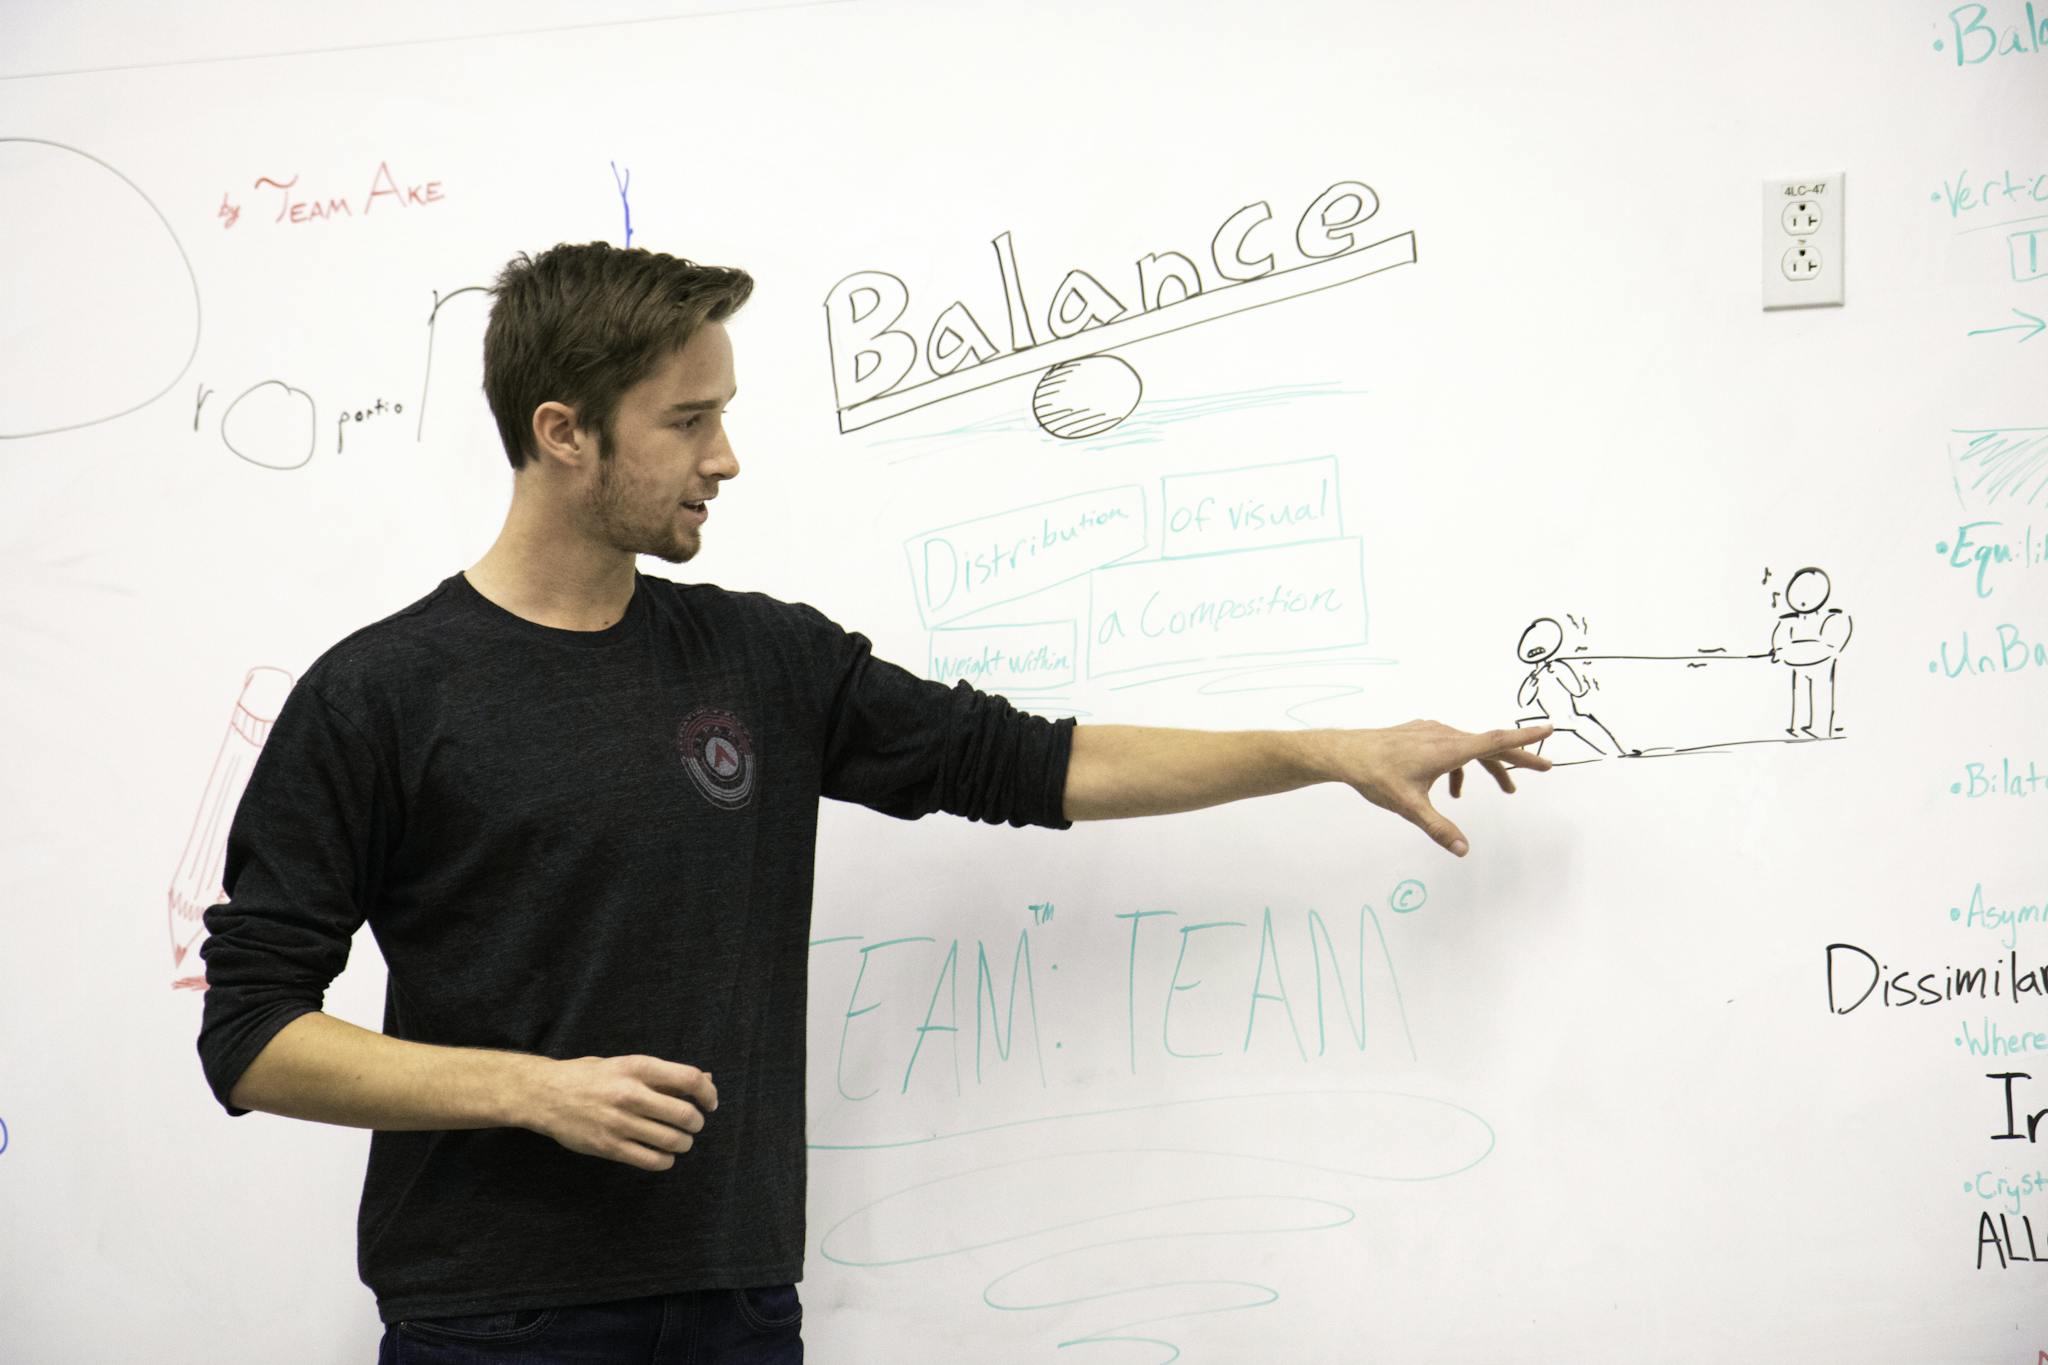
(668, 542)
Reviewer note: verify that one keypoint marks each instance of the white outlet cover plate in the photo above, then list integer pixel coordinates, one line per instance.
(1802, 241)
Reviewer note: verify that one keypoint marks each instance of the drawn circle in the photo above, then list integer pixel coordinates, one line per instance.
(3, 1135)
(1807, 590)
(274, 431)
(1409, 897)
(1076, 399)
(1543, 638)
(98, 286)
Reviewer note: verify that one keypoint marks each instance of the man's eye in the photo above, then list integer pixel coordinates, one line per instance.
(689, 422)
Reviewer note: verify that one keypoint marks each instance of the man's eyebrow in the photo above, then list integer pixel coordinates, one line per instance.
(700, 404)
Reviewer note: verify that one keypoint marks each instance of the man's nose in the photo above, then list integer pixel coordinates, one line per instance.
(724, 464)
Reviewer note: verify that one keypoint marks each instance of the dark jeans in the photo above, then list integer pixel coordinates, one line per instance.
(696, 1327)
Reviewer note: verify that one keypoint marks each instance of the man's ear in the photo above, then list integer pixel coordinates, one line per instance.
(555, 432)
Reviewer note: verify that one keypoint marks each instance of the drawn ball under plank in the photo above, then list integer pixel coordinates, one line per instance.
(1076, 399)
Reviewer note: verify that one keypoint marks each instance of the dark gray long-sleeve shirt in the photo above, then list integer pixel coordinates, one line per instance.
(584, 843)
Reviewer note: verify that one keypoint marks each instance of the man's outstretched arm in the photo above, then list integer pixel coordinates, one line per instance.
(1124, 770)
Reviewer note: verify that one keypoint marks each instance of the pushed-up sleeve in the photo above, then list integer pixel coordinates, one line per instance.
(305, 854)
(907, 746)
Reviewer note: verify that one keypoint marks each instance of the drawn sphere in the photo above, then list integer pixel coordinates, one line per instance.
(270, 424)
(1076, 399)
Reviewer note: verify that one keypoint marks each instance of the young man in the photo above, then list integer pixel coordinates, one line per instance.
(578, 806)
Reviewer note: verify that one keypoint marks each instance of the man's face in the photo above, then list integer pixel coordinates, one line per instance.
(669, 453)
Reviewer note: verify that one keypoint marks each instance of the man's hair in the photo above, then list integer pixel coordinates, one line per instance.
(581, 324)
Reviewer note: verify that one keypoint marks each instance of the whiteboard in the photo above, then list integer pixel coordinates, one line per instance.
(1689, 1060)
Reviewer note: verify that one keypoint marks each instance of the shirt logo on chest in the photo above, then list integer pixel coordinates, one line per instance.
(718, 754)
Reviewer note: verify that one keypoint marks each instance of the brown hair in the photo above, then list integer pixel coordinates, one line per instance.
(581, 324)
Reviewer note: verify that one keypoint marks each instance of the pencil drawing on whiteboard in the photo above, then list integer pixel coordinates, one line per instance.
(1714, 700)
(880, 371)
(197, 882)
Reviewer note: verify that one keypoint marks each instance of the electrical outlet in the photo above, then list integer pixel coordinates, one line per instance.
(1802, 241)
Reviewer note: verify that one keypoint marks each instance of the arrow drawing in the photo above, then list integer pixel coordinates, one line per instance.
(2033, 327)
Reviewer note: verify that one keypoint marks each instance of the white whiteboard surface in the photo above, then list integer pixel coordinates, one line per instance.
(1602, 1109)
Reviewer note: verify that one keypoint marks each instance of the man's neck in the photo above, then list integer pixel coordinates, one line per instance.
(552, 600)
